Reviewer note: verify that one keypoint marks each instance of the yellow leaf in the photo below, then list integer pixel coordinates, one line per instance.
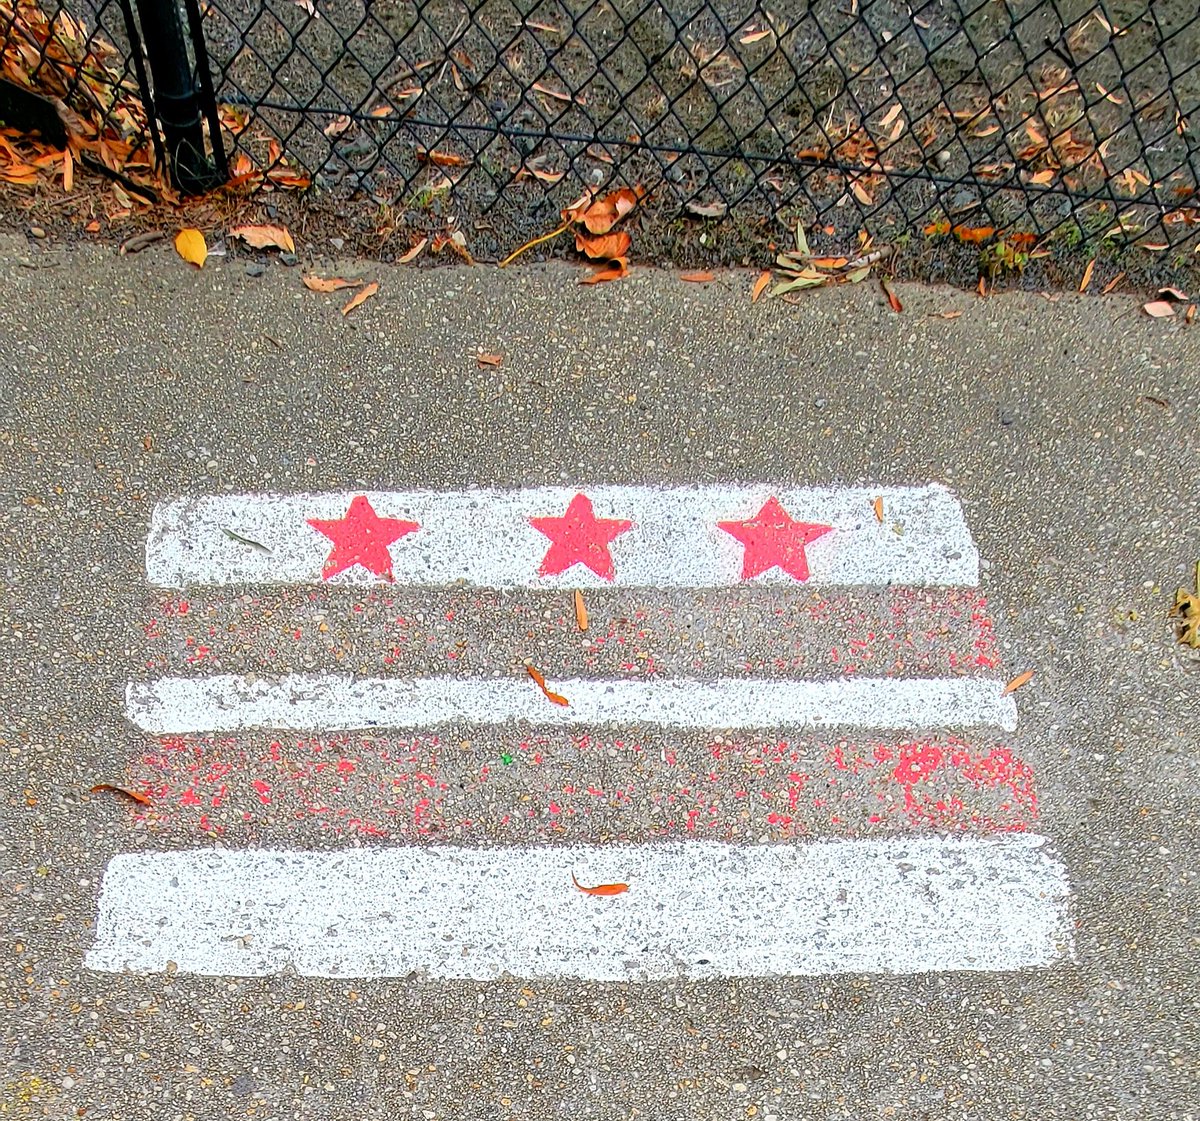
(1087, 275)
(265, 237)
(361, 297)
(190, 245)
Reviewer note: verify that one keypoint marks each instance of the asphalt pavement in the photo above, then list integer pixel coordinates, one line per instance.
(1065, 426)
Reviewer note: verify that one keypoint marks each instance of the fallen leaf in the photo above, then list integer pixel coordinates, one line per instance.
(707, 209)
(802, 248)
(764, 278)
(132, 795)
(1112, 283)
(148, 442)
(555, 698)
(857, 276)
(612, 271)
(1187, 610)
(1159, 309)
(892, 299)
(753, 37)
(93, 227)
(441, 159)
(1174, 294)
(1042, 178)
(489, 359)
(936, 229)
(696, 277)
(265, 237)
(190, 245)
(600, 889)
(890, 115)
(333, 284)
(951, 314)
(1190, 314)
(973, 235)
(581, 615)
(139, 242)
(558, 95)
(1153, 246)
(413, 253)
(603, 214)
(1016, 683)
(233, 535)
(361, 297)
(877, 506)
(603, 247)
(830, 262)
(337, 126)
(1087, 275)
(861, 193)
(548, 27)
(981, 287)
(68, 170)
(799, 282)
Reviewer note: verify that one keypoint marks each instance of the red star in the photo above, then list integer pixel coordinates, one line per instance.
(579, 537)
(772, 537)
(361, 537)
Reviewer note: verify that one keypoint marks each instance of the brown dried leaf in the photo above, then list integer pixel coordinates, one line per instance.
(603, 214)
(753, 37)
(950, 314)
(1113, 283)
(558, 95)
(190, 245)
(860, 192)
(1016, 683)
(707, 209)
(332, 284)
(68, 170)
(603, 247)
(877, 506)
(1159, 309)
(413, 253)
(614, 270)
(581, 613)
(265, 237)
(133, 795)
(696, 277)
(337, 126)
(361, 297)
(1087, 275)
(890, 115)
(441, 159)
(1174, 294)
(892, 299)
(764, 278)
(489, 359)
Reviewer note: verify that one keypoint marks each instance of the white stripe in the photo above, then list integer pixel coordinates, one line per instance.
(224, 702)
(484, 537)
(696, 909)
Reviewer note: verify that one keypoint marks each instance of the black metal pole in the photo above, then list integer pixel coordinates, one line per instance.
(176, 99)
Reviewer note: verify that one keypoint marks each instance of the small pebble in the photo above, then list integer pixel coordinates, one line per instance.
(36, 231)
(255, 268)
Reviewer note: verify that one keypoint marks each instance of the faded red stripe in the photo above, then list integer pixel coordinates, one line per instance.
(581, 787)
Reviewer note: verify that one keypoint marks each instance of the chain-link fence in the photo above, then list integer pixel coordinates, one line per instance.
(962, 116)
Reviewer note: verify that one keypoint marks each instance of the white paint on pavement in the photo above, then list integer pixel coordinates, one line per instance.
(484, 537)
(225, 702)
(695, 909)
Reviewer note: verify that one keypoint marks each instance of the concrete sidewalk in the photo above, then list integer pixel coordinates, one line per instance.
(1068, 429)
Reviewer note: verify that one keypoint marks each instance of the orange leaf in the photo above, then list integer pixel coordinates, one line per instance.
(581, 615)
(892, 299)
(413, 253)
(1086, 279)
(877, 506)
(1113, 283)
(764, 278)
(936, 229)
(829, 262)
(696, 277)
(603, 247)
(133, 795)
(489, 359)
(1021, 679)
(333, 284)
(441, 159)
(1159, 309)
(361, 297)
(952, 314)
(974, 235)
(612, 271)
(1021, 240)
(68, 170)
(600, 889)
(605, 213)
(555, 698)
(265, 237)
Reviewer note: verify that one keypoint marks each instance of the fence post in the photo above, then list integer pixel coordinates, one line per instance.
(176, 99)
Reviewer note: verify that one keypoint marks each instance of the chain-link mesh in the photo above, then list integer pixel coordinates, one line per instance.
(962, 116)
(1008, 114)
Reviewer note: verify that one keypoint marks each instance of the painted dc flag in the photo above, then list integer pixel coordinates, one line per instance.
(773, 728)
